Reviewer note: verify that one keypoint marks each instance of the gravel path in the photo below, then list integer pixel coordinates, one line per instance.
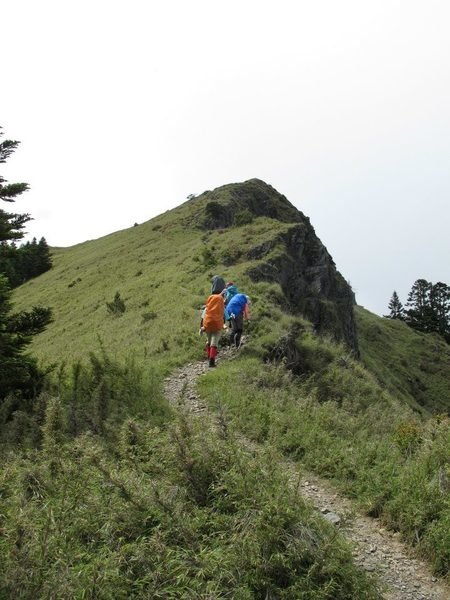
(374, 548)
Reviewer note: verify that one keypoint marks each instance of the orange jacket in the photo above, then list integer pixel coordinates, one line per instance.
(213, 320)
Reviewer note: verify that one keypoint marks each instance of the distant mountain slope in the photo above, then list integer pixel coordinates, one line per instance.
(413, 366)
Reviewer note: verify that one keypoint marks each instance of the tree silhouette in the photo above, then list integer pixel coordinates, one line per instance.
(11, 224)
(19, 374)
(440, 305)
(418, 313)
(31, 259)
(395, 307)
(428, 308)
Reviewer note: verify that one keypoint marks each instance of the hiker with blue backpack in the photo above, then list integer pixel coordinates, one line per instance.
(238, 310)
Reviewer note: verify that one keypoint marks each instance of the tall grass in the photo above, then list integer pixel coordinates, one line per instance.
(337, 421)
(91, 397)
(171, 512)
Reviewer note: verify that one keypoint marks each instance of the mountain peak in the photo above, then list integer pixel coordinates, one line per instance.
(235, 203)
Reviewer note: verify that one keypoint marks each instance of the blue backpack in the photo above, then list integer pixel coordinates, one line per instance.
(236, 305)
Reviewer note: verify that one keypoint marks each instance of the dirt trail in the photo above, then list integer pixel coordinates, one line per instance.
(374, 548)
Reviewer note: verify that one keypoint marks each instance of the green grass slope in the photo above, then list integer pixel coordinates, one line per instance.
(413, 366)
(162, 271)
(366, 424)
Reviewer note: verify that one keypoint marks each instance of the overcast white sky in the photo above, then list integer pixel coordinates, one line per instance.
(125, 108)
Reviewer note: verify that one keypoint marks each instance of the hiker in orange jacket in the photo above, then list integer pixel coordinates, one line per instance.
(213, 323)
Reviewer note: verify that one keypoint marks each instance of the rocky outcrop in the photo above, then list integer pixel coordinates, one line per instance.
(296, 258)
(310, 282)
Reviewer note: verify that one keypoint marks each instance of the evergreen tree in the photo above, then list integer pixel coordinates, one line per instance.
(429, 308)
(45, 260)
(31, 259)
(9, 262)
(440, 305)
(395, 307)
(19, 374)
(419, 314)
(11, 224)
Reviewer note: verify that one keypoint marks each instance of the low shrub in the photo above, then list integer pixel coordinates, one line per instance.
(94, 396)
(244, 217)
(149, 316)
(117, 306)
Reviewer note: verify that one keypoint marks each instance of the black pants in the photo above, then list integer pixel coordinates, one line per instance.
(237, 326)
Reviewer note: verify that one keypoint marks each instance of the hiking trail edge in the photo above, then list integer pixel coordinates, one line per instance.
(375, 549)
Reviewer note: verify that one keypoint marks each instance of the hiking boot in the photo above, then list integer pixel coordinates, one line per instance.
(212, 362)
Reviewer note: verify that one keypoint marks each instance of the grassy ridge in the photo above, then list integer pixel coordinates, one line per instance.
(161, 270)
(366, 425)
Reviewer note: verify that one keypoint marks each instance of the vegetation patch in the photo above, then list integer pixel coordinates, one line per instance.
(168, 511)
(338, 422)
(244, 217)
(412, 365)
(372, 426)
(117, 306)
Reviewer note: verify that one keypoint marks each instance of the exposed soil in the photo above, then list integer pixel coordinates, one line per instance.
(375, 549)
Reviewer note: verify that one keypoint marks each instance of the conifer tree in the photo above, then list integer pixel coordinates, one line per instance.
(395, 307)
(31, 259)
(440, 305)
(11, 224)
(419, 313)
(429, 308)
(19, 374)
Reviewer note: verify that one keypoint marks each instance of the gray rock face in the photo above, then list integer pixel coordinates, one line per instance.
(310, 282)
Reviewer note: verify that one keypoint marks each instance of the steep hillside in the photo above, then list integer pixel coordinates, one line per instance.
(251, 234)
(148, 492)
(413, 366)
(161, 269)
